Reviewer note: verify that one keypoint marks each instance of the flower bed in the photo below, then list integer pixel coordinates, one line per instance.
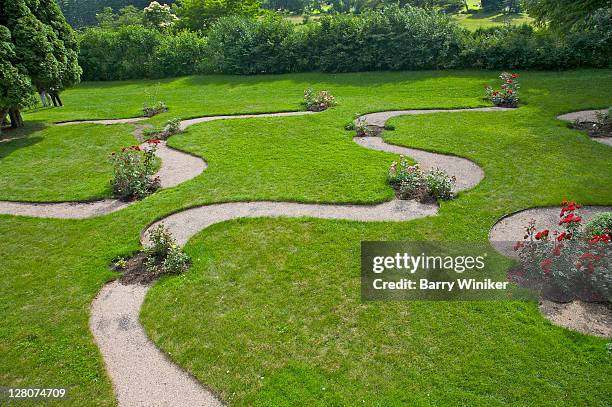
(318, 101)
(601, 127)
(410, 182)
(507, 95)
(568, 263)
(134, 172)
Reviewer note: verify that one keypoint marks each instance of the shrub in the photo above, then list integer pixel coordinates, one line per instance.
(507, 96)
(134, 172)
(439, 184)
(180, 54)
(318, 101)
(410, 182)
(565, 264)
(176, 261)
(152, 110)
(363, 130)
(164, 255)
(242, 45)
(172, 126)
(161, 241)
(598, 225)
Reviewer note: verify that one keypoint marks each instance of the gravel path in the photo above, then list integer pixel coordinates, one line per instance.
(587, 116)
(176, 168)
(141, 374)
(509, 229)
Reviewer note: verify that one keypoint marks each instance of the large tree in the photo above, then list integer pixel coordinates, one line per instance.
(38, 49)
(564, 15)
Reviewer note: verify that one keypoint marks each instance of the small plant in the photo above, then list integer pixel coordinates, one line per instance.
(164, 255)
(176, 261)
(364, 130)
(318, 101)
(153, 105)
(134, 172)
(120, 263)
(598, 225)
(567, 263)
(439, 184)
(508, 95)
(161, 241)
(152, 110)
(172, 126)
(604, 119)
(410, 182)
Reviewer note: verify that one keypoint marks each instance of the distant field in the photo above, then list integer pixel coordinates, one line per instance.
(484, 20)
(469, 21)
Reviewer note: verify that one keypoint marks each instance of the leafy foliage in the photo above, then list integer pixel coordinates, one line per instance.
(37, 47)
(565, 15)
(198, 15)
(134, 172)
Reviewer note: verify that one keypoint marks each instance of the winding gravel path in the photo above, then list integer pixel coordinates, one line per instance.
(131, 370)
(587, 116)
(176, 167)
(140, 372)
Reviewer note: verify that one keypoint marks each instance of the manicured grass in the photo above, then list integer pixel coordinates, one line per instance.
(279, 299)
(60, 163)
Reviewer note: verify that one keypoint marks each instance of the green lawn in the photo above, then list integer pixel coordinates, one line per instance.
(270, 312)
(487, 20)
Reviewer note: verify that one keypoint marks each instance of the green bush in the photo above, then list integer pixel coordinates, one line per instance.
(393, 38)
(241, 45)
(598, 225)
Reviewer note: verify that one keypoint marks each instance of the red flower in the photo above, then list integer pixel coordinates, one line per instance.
(518, 245)
(514, 75)
(545, 265)
(557, 250)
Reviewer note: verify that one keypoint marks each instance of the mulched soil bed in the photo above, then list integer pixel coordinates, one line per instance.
(588, 318)
(135, 271)
(593, 129)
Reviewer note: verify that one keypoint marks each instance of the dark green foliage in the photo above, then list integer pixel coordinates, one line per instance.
(522, 47)
(565, 15)
(390, 39)
(238, 45)
(81, 13)
(139, 52)
(37, 49)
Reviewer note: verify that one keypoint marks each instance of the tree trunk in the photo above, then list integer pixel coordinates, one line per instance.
(3, 113)
(467, 8)
(16, 119)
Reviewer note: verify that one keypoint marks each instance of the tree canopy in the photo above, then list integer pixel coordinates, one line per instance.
(38, 48)
(564, 15)
(197, 15)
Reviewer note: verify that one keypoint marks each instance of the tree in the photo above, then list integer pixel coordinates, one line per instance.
(38, 49)
(564, 15)
(158, 16)
(198, 15)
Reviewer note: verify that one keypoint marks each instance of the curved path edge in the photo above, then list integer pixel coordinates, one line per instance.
(178, 166)
(586, 116)
(589, 318)
(124, 367)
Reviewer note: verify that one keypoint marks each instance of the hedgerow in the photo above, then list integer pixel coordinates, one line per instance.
(394, 38)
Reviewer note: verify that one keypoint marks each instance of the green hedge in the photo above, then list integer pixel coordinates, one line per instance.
(392, 39)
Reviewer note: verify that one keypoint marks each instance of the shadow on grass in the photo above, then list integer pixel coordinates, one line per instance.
(14, 139)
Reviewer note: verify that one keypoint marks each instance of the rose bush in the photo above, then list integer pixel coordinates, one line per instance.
(134, 171)
(318, 101)
(410, 182)
(568, 263)
(507, 95)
